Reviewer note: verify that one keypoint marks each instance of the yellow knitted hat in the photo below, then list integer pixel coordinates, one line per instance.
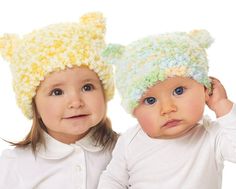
(55, 48)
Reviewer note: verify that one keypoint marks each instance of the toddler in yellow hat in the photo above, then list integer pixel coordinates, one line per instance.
(63, 85)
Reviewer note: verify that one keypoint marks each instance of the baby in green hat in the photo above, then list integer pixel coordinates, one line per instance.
(163, 82)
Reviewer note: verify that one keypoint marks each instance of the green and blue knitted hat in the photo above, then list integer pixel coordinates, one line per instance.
(142, 63)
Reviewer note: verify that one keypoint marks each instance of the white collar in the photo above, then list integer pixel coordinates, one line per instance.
(55, 149)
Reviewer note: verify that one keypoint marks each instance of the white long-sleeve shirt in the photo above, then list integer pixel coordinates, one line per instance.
(194, 161)
(59, 166)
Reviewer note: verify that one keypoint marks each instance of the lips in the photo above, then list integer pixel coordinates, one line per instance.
(77, 116)
(172, 123)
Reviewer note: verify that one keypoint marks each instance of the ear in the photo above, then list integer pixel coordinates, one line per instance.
(208, 93)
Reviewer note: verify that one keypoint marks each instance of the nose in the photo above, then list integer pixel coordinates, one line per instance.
(167, 107)
(75, 101)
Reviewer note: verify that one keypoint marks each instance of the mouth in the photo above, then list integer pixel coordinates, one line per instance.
(172, 123)
(77, 116)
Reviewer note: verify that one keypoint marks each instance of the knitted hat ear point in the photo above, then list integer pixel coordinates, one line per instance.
(95, 22)
(8, 44)
(112, 53)
(92, 18)
(202, 37)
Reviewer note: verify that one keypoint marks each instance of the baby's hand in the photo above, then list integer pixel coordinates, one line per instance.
(218, 101)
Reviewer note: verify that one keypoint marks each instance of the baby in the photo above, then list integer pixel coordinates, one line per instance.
(163, 82)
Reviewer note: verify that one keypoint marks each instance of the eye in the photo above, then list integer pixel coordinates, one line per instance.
(150, 100)
(88, 87)
(56, 92)
(178, 91)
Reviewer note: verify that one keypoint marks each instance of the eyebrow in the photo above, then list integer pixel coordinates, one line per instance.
(61, 83)
(53, 86)
(91, 80)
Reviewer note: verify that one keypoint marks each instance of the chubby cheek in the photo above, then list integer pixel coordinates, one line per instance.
(195, 110)
(45, 117)
(147, 122)
(47, 113)
(97, 106)
(48, 117)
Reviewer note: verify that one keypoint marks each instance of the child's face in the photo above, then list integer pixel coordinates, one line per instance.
(171, 108)
(70, 102)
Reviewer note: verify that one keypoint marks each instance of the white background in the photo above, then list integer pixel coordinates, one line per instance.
(127, 20)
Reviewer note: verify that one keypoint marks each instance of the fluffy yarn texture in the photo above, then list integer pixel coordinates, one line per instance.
(53, 48)
(142, 63)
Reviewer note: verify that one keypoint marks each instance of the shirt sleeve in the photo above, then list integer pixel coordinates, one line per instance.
(116, 174)
(226, 137)
(8, 172)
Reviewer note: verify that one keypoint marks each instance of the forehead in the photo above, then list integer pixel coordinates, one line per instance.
(79, 73)
(69, 76)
